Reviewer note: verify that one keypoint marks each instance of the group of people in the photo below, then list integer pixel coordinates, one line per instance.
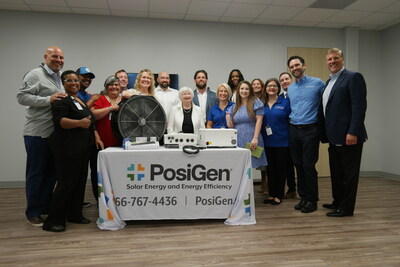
(66, 127)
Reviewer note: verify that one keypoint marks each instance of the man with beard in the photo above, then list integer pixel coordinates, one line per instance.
(305, 97)
(40, 88)
(203, 96)
(167, 96)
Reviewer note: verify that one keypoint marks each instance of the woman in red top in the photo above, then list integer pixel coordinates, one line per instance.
(103, 108)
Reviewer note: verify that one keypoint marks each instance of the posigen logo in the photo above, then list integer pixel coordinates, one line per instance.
(135, 168)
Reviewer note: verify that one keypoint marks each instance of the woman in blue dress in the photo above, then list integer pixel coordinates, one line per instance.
(217, 115)
(276, 140)
(246, 116)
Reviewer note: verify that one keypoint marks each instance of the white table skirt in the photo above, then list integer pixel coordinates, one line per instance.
(170, 184)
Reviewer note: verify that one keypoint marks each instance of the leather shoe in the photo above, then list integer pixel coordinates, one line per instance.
(275, 203)
(55, 228)
(36, 221)
(268, 200)
(309, 207)
(300, 204)
(329, 206)
(82, 221)
(339, 213)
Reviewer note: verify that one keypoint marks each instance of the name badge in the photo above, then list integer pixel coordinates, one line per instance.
(269, 130)
(78, 105)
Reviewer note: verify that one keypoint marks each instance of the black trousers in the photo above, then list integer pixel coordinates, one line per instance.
(278, 163)
(70, 189)
(304, 145)
(290, 178)
(344, 162)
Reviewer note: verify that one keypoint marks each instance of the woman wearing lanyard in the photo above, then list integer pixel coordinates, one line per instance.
(217, 115)
(276, 140)
(71, 142)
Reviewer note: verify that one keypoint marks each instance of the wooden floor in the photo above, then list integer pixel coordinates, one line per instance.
(281, 237)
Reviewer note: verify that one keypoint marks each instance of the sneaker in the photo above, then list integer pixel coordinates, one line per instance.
(36, 221)
(289, 195)
(86, 205)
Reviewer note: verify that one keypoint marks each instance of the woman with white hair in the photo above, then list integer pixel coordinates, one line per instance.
(217, 115)
(185, 117)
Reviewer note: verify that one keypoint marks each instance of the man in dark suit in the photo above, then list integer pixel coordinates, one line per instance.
(203, 96)
(343, 109)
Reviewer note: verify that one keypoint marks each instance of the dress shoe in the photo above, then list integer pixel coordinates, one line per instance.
(309, 207)
(300, 204)
(268, 200)
(36, 221)
(275, 203)
(329, 206)
(55, 228)
(339, 213)
(289, 195)
(82, 221)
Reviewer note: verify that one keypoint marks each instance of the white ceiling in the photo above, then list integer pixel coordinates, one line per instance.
(366, 14)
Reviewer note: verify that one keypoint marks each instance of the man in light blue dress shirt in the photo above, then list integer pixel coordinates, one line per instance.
(305, 97)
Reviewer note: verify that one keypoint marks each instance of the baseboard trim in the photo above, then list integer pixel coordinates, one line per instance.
(380, 174)
(12, 184)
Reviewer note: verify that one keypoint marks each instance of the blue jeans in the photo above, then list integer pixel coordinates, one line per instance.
(40, 175)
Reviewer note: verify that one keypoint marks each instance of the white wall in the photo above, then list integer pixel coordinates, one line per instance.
(106, 44)
(370, 64)
(389, 90)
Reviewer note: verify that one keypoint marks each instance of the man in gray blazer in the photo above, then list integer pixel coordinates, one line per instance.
(203, 96)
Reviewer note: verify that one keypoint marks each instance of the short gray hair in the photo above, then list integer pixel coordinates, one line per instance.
(110, 80)
(185, 89)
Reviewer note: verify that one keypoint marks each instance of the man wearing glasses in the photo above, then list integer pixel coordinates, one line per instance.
(40, 87)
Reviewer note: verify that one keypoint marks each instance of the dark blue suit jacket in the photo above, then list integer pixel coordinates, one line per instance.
(345, 109)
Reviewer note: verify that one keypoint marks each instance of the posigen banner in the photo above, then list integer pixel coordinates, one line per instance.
(170, 184)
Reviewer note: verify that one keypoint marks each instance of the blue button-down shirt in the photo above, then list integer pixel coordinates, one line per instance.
(305, 98)
(277, 118)
(218, 116)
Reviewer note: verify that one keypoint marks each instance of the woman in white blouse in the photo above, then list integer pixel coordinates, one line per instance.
(185, 117)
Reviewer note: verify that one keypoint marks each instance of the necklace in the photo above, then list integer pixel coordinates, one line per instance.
(187, 110)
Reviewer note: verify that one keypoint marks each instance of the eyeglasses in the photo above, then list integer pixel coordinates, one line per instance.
(272, 86)
(71, 81)
(113, 85)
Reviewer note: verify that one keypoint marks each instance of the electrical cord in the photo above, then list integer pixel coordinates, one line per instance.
(189, 149)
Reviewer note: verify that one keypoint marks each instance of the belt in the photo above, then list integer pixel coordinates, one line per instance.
(301, 126)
